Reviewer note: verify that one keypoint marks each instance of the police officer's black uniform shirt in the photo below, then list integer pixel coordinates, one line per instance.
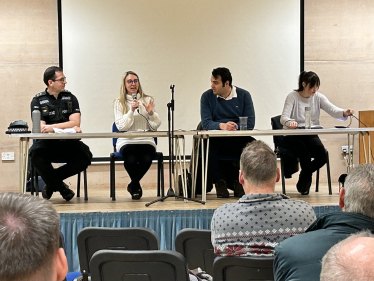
(54, 110)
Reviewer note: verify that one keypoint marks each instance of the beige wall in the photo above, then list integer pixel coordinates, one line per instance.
(339, 46)
(28, 45)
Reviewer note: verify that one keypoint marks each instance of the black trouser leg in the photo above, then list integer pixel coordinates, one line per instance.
(77, 157)
(41, 159)
(305, 148)
(224, 148)
(75, 154)
(138, 160)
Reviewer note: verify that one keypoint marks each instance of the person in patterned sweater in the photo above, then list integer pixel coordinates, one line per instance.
(261, 219)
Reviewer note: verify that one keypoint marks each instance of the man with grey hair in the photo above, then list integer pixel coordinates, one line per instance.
(350, 259)
(29, 240)
(299, 258)
(261, 218)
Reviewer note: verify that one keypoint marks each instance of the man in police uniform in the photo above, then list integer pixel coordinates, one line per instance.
(59, 108)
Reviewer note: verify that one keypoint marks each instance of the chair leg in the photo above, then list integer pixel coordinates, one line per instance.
(85, 184)
(328, 172)
(32, 180)
(162, 187)
(36, 179)
(317, 180)
(112, 179)
(158, 177)
(79, 184)
(282, 174)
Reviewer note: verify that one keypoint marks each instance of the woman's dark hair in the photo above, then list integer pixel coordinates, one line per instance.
(50, 73)
(224, 73)
(310, 78)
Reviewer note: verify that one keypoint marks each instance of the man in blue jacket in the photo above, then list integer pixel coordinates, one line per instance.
(220, 109)
(299, 257)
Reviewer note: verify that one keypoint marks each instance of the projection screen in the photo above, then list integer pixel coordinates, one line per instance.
(178, 42)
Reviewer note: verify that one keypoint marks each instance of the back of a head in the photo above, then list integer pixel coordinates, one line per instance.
(258, 163)
(359, 190)
(29, 237)
(350, 259)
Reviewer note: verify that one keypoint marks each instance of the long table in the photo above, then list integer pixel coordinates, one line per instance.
(25, 138)
(350, 132)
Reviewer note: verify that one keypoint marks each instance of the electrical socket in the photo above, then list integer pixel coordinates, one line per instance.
(345, 149)
(7, 156)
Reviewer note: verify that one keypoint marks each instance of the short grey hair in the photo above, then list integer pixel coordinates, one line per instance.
(258, 163)
(29, 236)
(339, 266)
(359, 190)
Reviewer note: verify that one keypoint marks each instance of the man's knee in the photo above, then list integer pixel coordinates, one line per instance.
(39, 155)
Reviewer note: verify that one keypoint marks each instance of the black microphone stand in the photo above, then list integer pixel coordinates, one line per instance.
(171, 192)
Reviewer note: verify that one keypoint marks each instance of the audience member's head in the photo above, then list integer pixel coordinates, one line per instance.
(258, 168)
(357, 196)
(350, 259)
(29, 239)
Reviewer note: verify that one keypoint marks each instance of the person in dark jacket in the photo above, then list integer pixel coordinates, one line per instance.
(59, 109)
(220, 109)
(299, 257)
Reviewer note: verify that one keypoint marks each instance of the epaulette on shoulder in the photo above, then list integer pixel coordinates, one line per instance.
(66, 91)
(40, 94)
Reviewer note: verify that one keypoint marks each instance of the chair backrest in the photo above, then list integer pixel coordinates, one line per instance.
(196, 246)
(114, 140)
(114, 130)
(276, 125)
(93, 239)
(243, 268)
(138, 266)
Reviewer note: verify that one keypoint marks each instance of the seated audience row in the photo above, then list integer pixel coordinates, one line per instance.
(29, 228)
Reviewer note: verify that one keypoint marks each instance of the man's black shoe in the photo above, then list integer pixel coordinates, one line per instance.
(66, 193)
(47, 192)
(221, 189)
(303, 186)
(238, 189)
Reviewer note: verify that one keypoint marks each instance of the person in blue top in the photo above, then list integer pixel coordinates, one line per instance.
(220, 109)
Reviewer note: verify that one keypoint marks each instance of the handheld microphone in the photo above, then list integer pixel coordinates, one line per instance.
(134, 97)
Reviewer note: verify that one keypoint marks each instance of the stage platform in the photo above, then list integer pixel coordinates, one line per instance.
(166, 218)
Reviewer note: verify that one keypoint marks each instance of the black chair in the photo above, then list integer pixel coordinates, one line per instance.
(196, 246)
(243, 268)
(93, 239)
(290, 163)
(116, 156)
(138, 266)
(34, 186)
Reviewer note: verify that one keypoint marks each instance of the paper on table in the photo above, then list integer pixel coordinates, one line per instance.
(63, 131)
